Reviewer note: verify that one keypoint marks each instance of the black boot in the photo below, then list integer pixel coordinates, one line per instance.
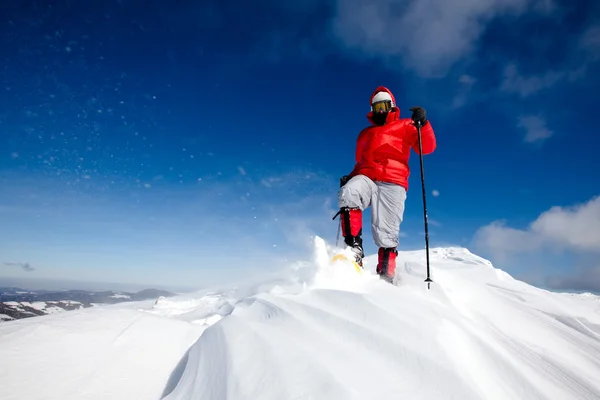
(386, 263)
(351, 219)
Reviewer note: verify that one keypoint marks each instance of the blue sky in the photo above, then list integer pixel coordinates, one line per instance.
(191, 144)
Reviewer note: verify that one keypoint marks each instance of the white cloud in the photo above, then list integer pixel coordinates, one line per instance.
(514, 82)
(582, 279)
(584, 52)
(501, 240)
(545, 6)
(23, 266)
(447, 31)
(590, 41)
(575, 228)
(467, 82)
(535, 128)
(435, 193)
(434, 222)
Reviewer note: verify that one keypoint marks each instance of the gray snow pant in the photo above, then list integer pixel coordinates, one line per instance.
(387, 206)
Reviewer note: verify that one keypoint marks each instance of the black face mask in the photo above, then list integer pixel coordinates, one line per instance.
(379, 118)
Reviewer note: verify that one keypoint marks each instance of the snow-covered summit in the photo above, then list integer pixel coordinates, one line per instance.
(320, 331)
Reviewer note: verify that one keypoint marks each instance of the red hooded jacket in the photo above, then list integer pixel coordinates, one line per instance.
(382, 151)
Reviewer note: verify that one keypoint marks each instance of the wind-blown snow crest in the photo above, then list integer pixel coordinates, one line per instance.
(320, 331)
(328, 332)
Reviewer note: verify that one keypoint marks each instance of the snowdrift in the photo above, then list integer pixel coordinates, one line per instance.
(334, 334)
(319, 331)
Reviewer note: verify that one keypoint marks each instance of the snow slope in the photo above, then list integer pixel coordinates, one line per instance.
(95, 353)
(320, 332)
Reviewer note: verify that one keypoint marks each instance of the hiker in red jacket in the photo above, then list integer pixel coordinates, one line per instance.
(380, 177)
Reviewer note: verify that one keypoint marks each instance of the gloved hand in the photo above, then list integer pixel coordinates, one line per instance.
(344, 179)
(419, 115)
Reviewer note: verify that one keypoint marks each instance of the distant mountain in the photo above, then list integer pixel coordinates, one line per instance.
(17, 303)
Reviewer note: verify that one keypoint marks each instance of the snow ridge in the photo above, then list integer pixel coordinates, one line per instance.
(335, 334)
(320, 331)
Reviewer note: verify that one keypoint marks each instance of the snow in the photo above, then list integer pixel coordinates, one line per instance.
(36, 305)
(103, 352)
(320, 331)
(120, 296)
(19, 306)
(66, 302)
(51, 309)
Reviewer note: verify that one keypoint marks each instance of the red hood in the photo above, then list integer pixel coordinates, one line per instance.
(394, 114)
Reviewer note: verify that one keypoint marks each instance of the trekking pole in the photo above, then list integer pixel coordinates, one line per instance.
(337, 239)
(428, 279)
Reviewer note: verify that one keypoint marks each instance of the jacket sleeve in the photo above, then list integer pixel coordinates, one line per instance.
(428, 141)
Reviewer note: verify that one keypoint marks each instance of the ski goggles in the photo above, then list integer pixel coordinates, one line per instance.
(381, 106)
